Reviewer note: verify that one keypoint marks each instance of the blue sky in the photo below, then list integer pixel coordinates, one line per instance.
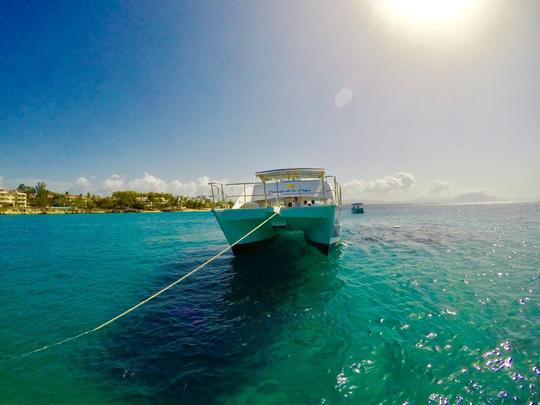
(163, 95)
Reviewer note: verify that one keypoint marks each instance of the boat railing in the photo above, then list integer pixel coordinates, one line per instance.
(224, 194)
(336, 190)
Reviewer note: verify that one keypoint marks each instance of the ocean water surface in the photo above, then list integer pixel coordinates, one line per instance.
(418, 304)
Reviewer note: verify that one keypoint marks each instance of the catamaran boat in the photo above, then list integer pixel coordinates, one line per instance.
(304, 199)
(357, 208)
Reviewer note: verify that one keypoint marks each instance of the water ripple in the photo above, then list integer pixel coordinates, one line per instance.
(417, 304)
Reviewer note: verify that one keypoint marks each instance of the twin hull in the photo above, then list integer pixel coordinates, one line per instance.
(321, 225)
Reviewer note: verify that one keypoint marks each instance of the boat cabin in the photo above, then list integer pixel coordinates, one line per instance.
(295, 187)
(357, 208)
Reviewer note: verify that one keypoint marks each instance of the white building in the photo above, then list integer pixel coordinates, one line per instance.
(12, 198)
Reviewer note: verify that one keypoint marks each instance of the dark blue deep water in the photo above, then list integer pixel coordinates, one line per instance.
(424, 304)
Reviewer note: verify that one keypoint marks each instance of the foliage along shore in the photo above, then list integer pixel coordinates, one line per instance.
(61, 211)
(40, 200)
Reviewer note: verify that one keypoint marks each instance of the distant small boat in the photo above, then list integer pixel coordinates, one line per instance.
(305, 199)
(357, 208)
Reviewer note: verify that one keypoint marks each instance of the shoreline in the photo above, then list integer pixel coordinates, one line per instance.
(66, 212)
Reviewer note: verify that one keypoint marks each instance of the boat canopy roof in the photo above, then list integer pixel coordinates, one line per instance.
(291, 174)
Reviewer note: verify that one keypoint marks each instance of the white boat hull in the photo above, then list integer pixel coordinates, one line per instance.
(321, 224)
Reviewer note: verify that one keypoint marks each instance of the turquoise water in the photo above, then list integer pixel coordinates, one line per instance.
(445, 306)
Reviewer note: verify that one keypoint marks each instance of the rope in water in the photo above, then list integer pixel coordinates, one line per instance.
(140, 304)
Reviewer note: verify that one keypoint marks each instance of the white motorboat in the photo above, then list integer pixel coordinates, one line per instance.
(357, 208)
(305, 199)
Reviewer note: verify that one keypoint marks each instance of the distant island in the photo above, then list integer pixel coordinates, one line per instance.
(38, 199)
(464, 198)
(473, 197)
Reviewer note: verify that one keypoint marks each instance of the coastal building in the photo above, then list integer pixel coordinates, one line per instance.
(153, 201)
(13, 198)
(76, 197)
(159, 201)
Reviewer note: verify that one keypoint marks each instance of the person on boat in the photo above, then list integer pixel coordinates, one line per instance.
(312, 202)
(305, 203)
(296, 203)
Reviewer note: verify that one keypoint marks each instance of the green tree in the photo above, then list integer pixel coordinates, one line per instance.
(41, 195)
(90, 204)
(106, 203)
(55, 199)
(26, 189)
(125, 199)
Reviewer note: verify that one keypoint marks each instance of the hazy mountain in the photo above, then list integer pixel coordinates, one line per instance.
(468, 197)
(474, 197)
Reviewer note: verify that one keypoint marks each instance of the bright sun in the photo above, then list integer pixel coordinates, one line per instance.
(426, 11)
(430, 19)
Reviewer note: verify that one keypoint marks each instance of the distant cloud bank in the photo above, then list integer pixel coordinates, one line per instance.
(398, 183)
(83, 183)
(115, 182)
(401, 186)
(401, 181)
(147, 183)
(438, 186)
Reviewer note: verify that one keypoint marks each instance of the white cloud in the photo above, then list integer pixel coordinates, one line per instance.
(115, 182)
(83, 183)
(1, 180)
(190, 188)
(438, 186)
(400, 181)
(148, 183)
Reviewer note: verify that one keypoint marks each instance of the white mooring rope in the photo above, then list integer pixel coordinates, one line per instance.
(134, 307)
